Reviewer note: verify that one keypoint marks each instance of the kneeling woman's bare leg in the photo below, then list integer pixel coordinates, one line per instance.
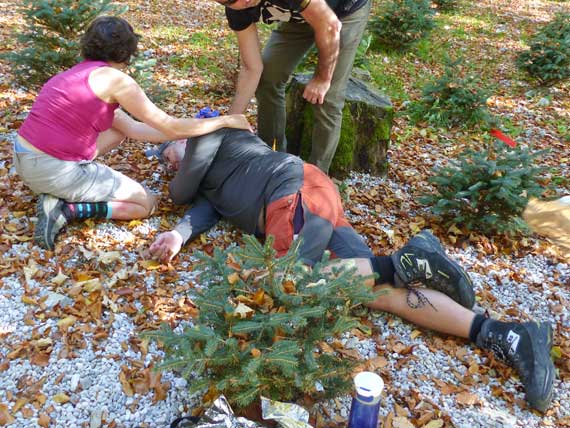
(131, 201)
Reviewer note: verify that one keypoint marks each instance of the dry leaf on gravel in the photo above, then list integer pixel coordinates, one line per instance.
(467, 399)
(402, 422)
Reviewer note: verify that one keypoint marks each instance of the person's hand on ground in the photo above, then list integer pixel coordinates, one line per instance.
(165, 246)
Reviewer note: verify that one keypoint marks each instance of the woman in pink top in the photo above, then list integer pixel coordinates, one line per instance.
(77, 116)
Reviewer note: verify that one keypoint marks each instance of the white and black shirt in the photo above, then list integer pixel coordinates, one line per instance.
(270, 11)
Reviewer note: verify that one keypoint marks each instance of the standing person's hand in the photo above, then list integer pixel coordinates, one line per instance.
(238, 121)
(165, 246)
(316, 90)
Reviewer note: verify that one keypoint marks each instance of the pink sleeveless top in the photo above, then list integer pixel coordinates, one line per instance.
(67, 116)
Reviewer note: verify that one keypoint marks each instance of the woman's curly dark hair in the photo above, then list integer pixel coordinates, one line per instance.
(109, 38)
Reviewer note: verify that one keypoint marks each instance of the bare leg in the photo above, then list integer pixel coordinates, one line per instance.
(124, 210)
(448, 316)
(363, 267)
(526, 346)
(132, 200)
(108, 140)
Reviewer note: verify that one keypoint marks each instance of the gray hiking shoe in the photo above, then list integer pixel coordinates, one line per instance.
(526, 347)
(423, 259)
(50, 221)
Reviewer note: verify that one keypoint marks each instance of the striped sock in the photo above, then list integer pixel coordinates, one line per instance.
(82, 210)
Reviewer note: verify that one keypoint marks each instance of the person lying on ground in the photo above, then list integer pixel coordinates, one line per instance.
(233, 174)
(77, 117)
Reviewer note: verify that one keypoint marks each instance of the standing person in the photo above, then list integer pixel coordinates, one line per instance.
(76, 117)
(232, 174)
(334, 26)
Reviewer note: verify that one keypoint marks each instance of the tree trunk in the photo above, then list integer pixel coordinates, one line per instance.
(365, 135)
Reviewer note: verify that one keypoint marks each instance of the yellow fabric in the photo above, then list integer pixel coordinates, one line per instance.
(552, 220)
(304, 5)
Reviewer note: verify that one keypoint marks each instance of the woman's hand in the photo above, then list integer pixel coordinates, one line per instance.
(237, 121)
(165, 246)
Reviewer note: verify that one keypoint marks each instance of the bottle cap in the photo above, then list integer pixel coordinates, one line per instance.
(368, 384)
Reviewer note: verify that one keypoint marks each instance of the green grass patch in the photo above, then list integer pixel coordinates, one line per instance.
(211, 61)
(511, 129)
(388, 82)
(431, 51)
(171, 34)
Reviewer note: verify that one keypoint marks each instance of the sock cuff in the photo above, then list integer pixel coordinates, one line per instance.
(476, 327)
(109, 211)
(384, 267)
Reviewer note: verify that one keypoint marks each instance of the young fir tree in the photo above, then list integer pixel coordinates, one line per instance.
(401, 23)
(263, 326)
(548, 56)
(486, 190)
(454, 99)
(51, 36)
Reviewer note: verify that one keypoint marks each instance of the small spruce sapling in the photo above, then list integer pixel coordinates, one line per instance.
(264, 324)
(548, 56)
(51, 36)
(401, 23)
(453, 99)
(486, 190)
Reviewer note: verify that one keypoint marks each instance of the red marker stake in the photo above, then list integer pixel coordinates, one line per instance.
(499, 135)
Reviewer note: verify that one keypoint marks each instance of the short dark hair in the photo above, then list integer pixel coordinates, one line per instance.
(109, 38)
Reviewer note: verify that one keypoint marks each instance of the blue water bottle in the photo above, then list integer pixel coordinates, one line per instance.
(366, 403)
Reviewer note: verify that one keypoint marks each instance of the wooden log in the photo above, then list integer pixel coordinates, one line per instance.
(366, 123)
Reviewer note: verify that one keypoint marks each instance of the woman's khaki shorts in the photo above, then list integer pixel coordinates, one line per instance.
(84, 181)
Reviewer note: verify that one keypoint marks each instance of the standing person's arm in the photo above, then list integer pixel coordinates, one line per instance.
(326, 26)
(251, 67)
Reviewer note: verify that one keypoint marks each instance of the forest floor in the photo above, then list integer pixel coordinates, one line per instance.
(71, 354)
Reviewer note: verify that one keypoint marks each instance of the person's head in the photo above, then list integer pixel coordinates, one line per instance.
(110, 39)
(238, 4)
(169, 153)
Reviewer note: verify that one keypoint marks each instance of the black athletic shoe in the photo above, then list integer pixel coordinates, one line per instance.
(424, 259)
(526, 347)
(50, 221)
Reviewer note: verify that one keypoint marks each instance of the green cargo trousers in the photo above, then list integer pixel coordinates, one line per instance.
(284, 50)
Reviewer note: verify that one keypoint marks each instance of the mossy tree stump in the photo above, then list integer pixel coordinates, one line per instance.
(365, 135)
